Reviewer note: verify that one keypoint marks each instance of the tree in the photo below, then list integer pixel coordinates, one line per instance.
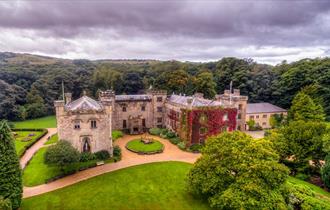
(276, 120)
(325, 171)
(304, 108)
(299, 142)
(10, 172)
(35, 104)
(236, 171)
(132, 83)
(62, 154)
(205, 84)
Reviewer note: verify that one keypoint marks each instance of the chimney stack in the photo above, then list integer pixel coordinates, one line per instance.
(68, 97)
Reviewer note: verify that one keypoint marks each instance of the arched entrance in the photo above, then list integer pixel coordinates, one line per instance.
(86, 147)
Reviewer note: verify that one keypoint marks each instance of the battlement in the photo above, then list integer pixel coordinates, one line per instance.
(106, 95)
(156, 92)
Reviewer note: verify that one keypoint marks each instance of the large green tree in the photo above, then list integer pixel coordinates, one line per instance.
(10, 172)
(304, 108)
(236, 171)
(299, 142)
(205, 84)
(35, 104)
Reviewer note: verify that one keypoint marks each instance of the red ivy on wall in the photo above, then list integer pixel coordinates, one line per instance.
(214, 122)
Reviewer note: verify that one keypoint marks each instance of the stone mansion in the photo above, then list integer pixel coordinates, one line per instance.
(87, 124)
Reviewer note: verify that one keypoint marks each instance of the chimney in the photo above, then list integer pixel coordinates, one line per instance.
(236, 92)
(68, 97)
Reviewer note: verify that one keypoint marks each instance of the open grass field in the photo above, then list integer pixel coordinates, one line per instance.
(149, 187)
(44, 122)
(20, 143)
(137, 146)
(37, 172)
(53, 139)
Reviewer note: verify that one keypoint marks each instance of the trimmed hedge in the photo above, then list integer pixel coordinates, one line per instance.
(27, 146)
(155, 131)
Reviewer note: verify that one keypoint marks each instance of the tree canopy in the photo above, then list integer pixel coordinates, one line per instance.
(236, 171)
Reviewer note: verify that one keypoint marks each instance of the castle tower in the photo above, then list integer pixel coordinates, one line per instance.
(235, 99)
(158, 99)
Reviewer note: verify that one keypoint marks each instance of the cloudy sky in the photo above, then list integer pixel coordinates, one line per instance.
(264, 30)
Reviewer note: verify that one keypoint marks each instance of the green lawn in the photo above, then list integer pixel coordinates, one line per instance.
(319, 192)
(37, 172)
(44, 122)
(138, 146)
(20, 144)
(151, 186)
(53, 139)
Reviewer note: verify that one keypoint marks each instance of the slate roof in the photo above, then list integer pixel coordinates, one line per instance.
(132, 97)
(263, 108)
(84, 103)
(196, 102)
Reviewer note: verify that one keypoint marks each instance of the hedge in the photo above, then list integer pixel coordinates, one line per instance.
(30, 143)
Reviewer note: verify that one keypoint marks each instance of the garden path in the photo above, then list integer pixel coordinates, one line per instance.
(35, 147)
(171, 153)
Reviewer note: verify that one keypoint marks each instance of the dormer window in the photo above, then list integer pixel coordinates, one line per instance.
(77, 124)
(93, 124)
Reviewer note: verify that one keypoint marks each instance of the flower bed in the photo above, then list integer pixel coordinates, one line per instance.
(143, 148)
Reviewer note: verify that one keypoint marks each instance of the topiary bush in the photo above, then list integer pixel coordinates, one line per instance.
(116, 134)
(86, 156)
(170, 135)
(182, 145)
(116, 153)
(102, 155)
(195, 147)
(155, 131)
(175, 140)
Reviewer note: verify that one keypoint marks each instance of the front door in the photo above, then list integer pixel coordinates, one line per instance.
(86, 145)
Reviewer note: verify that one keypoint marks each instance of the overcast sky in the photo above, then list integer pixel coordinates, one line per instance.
(264, 30)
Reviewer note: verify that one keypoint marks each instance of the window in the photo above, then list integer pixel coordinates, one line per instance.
(159, 109)
(257, 116)
(202, 130)
(239, 116)
(143, 108)
(264, 116)
(240, 107)
(263, 123)
(77, 124)
(251, 117)
(124, 108)
(143, 122)
(124, 124)
(159, 126)
(159, 99)
(159, 120)
(239, 127)
(225, 117)
(93, 124)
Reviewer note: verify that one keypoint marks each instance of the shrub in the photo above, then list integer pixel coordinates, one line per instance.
(175, 140)
(155, 131)
(5, 204)
(102, 155)
(182, 145)
(325, 171)
(87, 156)
(116, 151)
(170, 135)
(62, 154)
(116, 134)
(302, 176)
(196, 147)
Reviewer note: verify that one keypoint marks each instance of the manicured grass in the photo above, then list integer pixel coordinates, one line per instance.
(53, 139)
(319, 192)
(37, 172)
(137, 145)
(116, 134)
(44, 122)
(149, 187)
(20, 144)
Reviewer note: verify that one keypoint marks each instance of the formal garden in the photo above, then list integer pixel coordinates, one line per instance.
(145, 145)
(25, 138)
